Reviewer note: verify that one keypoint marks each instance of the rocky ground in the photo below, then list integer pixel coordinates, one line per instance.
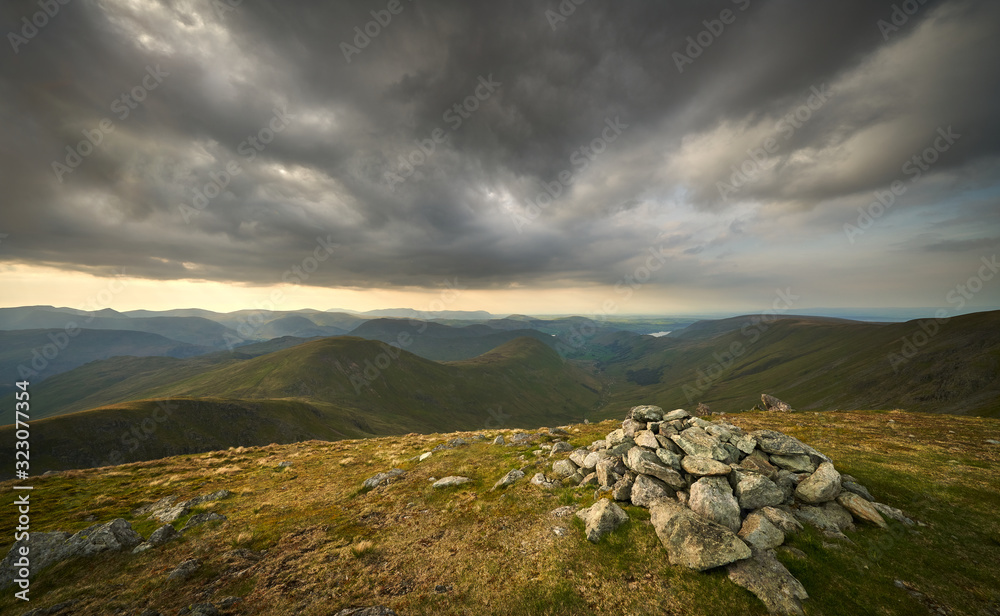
(683, 518)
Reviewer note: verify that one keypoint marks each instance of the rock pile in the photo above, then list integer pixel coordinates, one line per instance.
(718, 496)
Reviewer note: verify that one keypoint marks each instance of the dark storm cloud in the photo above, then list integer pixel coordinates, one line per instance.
(348, 123)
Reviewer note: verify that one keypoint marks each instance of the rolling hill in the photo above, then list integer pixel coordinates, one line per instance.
(811, 363)
(442, 342)
(330, 388)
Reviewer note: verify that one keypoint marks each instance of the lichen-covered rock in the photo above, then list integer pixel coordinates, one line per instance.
(704, 467)
(564, 468)
(646, 413)
(509, 479)
(692, 541)
(450, 481)
(602, 518)
(796, 464)
(712, 498)
(822, 486)
(760, 533)
(755, 491)
(646, 490)
(774, 585)
(782, 519)
(696, 442)
(861, 509)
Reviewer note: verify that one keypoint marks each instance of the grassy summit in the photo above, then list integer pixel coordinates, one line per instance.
(470, 550)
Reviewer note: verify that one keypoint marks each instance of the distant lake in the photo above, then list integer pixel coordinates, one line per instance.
(658, 334)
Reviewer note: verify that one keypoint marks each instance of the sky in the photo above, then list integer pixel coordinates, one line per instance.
(531, 157)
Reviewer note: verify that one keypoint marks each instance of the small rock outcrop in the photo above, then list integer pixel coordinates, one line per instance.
(601, 518)
(451, 481)
(774, 405)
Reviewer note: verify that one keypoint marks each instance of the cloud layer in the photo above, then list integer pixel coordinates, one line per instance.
(510, 145)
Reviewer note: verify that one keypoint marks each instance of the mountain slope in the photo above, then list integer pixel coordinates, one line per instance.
(342, 386)
(815, 365)
(442, 342)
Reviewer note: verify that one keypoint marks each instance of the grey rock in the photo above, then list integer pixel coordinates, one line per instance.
(770, 441)
(200, 609)
(609, 471)
(697, 442)
(774, 585)
(541, 481)
(822, 486)
(589, 480)
(578, 456)
(644, 462)
(171, 514)
(113, 536)
(520, 438)
(796, 464)
(703, 467)
(692, 541)
(856, 488)
(622, 490)
(675, 415)
(509, 479)
(830, 519)
(760, 533)
(450, 481)
(782, 519)
(645, 438)
(712, 499)
(631, 427)
(563, 512)
(719, 431)
(774, 405)
(564, 468)
(203, 518)
(561, 447)
(755, 491)
(601, 518)
(746, 444)
(44, 550)
(217, 496)
(185, 570)
(499, 440)
(646, 413)
(615, 437)
(382, 479)
(598, 444)
(892, 513)
(621, 448)
(378, 610)
(590, 462)
(669, 458)
(646, 490)
(160, 536)
(861, 509)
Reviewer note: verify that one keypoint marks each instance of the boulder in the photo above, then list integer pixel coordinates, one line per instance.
(450, 481)
(774, 405)
(832, 520)
(646, 438)
(509, 479)
(822, 486)
(745, 443)
(644, 462)
(697, 442)
(372, 482)
(621, 448)
(857, 488)
(202, 518)
(221, 494)
(646, 490)
(578, 456)
(561, 447)
(601, 518)
(185, 570)
(113, 536)
(590, 462)
(631, 427)
(692, 541)
(615, 437)
(646, 413)
(774, 585)
(760, 533)
(160, 536)
(796, 464)
(564, 468)
(44, 550)
(712, 498)
(499, 440)
(770, 441)
(861, 509)
(782, 519)
(676, 415)
(622, 490)
(892, 513)
(755, 491)
(669, 458)
(609, 471)
(541, 481)
(703, 467)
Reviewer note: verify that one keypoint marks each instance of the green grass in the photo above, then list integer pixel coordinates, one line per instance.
(330, 546)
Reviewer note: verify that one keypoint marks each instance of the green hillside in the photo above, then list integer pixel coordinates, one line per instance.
(812, 364)
(442, 342)
(330, 388)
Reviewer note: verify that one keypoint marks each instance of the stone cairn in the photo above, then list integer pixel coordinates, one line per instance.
(718, 496)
